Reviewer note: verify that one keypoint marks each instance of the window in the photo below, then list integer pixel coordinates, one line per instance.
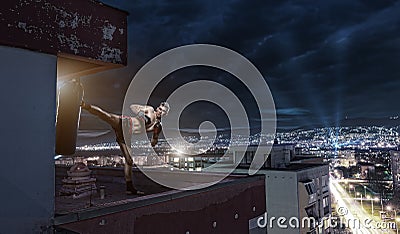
(311, 212)
(310, 187)
(325, 180)
(325, 201)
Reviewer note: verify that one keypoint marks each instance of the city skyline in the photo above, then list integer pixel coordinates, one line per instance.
(325, 149)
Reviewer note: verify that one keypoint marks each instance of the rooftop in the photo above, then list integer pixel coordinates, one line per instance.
(70, 210)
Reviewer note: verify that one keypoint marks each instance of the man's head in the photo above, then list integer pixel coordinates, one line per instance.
(162, 109)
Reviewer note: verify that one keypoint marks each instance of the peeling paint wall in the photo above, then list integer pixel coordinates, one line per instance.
(79, 27)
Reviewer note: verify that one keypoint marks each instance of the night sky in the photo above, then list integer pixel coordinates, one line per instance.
(323, 60)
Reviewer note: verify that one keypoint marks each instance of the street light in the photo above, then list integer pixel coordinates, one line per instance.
(350, 187)
(365, 191)
(372, 203)
(389, 208)
(396, 221)
(361, 199)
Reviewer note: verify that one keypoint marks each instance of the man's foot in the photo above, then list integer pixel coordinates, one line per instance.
(135, 192)
(130, 190)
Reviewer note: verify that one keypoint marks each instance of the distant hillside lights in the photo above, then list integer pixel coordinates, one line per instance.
(331, 138)
(313, 140)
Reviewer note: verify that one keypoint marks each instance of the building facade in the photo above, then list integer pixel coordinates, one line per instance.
(299, 192)
(297, 189)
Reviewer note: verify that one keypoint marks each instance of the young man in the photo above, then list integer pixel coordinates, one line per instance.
(145, 117)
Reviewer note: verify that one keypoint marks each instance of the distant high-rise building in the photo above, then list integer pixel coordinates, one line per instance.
(395, 159)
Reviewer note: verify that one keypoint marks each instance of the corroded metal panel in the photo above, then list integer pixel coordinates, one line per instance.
(84, 28)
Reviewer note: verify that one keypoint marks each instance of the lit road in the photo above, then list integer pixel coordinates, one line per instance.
(354, 215)
(362, 181)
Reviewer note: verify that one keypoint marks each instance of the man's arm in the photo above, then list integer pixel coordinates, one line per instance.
(143, 112)
(156, 131)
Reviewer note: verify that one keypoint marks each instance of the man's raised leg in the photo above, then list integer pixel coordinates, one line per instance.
(110, 118)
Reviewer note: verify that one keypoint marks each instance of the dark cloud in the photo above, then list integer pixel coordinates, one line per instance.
(332, 58)
(292, 111)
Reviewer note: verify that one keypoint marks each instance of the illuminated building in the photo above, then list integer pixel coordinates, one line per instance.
(395, 159)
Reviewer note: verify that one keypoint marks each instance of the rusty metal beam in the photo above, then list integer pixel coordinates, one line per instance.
(84, 28)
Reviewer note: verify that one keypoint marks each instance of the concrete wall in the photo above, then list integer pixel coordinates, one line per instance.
(314, 174)
(281, 199)
(27, 133)
(304, 201)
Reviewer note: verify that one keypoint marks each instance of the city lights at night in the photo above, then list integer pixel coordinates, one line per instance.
(200, 116)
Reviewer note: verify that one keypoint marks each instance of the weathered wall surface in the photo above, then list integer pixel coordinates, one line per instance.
(224, 209)
(84, 28)
(27, 129)
(32, 34)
